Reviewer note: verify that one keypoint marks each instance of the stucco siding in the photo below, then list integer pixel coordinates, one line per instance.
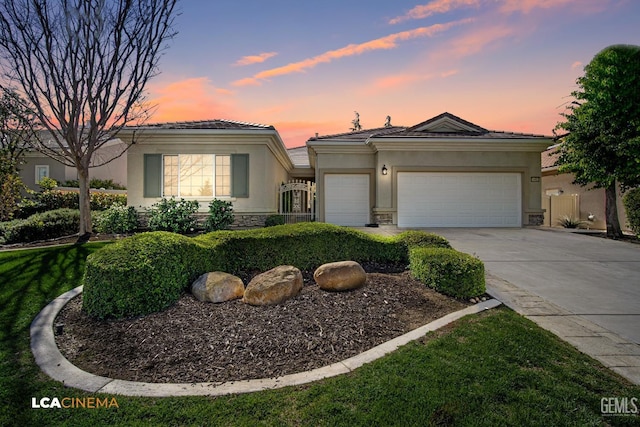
(265, 172)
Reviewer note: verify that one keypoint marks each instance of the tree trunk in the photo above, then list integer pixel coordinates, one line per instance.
(85, 205)
(611, 212)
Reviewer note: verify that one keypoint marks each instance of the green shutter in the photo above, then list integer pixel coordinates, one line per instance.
(152, 175)
(240, 175)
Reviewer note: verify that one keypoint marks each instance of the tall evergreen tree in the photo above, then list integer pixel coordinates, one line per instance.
(601, 146)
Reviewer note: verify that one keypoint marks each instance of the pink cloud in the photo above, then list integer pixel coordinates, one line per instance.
(475, 41)
(255, 59)
(436, 6)
(190, 99)
(383, 43)
(576, 64)
(526, 6)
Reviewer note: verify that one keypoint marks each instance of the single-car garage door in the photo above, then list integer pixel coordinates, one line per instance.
(448, 199)
(346, 199)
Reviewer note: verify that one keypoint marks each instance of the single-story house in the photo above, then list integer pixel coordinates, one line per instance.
(443, 172)
(561, 197)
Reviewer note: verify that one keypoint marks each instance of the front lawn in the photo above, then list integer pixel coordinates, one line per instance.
(494, 369)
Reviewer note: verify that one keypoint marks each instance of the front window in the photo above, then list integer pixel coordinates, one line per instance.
(196, 175)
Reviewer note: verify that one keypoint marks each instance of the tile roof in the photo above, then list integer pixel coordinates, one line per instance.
(206, 124)
(361, 134)
(549, 158)
(430, 129)
(299, 156)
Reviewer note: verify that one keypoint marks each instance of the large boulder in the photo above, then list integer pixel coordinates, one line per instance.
(340, 276)
(274, 286)
(217, 286)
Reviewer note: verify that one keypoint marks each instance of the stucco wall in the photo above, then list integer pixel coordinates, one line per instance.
(266, 173)
(28, 170)
(591, 201)
(383, 187)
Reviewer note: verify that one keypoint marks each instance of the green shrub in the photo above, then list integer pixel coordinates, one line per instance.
(220, 215)
(448, 271)
(106, 184)
(177, 216)
(122, 279)
(141, 274)
(116, 219)
(570, 222)
(47, 184)
(305, 245)
(103, 201)
(631, 202)
(274, 220)
(41, 226)
(11, 188)
(55, 199)
(421, 239)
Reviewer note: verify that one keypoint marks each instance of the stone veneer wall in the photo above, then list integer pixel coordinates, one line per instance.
(383, 218)
(536, 219)
(248, 221)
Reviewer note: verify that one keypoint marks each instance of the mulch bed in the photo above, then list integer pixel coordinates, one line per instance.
(203, 342)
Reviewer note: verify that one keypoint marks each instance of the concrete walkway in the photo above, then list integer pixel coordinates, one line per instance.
(54, 364)
(584, 289)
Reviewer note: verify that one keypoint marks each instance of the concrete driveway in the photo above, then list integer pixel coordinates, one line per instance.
(594, 278)
(584, 289)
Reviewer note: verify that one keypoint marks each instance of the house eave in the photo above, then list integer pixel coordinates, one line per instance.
(236, 137)
(459, 144)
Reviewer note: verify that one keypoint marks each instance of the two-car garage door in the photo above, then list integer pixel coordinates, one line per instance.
(447, 199)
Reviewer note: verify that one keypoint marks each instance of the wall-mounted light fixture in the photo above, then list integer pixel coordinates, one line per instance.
(384, 170)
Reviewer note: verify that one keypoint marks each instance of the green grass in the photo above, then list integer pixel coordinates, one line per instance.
(493, 369)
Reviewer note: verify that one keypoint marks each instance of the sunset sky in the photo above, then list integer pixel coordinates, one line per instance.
(306, 66)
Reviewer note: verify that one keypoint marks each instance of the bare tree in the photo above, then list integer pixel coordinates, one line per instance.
(83, 66)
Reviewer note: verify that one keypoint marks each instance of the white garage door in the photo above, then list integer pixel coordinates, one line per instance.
(434, 199)
(346, 199)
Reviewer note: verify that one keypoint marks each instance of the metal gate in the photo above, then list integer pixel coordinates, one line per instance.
(297, 201)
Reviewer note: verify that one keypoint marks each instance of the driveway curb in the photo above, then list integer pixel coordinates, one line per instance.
(56, 366)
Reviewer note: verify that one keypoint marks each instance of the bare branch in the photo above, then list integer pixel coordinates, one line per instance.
(84, 66)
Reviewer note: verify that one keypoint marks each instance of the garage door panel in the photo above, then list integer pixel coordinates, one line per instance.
(347, 199)
(434, 199)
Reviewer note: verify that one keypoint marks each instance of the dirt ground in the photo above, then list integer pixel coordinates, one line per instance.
(194, 341)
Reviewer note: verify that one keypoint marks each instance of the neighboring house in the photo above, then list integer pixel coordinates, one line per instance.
(37, 166)
(444, 172)
(561, 197)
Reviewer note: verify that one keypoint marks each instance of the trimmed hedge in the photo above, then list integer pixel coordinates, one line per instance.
(142, 274)
(148, 272)
(305, 245)
(448, 271)
(41, 226)
(631, 202)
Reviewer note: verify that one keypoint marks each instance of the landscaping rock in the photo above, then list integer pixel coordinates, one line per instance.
(217, 286)
(340, 276)
(274, 286)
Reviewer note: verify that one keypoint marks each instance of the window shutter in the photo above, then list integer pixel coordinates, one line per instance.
(239, 175)
(152, 175)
